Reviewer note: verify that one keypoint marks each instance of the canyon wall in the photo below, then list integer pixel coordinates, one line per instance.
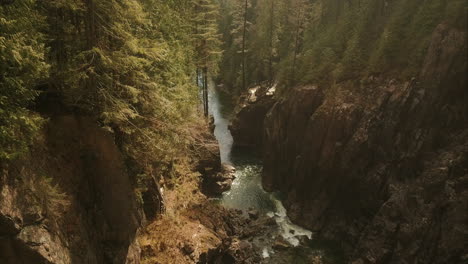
(247, 125)
(74, 197)
(70, 200)
(379, 164)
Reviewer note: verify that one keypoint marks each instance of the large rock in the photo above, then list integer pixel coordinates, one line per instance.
(247, 126)
(379, 164)
(206, 153)
(214, 184)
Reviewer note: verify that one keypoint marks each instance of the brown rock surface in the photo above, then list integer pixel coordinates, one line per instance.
(379, 164)
(247, 126)
(66, 199)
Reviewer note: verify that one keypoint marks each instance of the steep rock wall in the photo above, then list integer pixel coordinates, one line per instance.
(70, 200)
(247, 126)
(380, 164)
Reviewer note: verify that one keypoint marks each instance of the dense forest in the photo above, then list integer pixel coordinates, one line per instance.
(130, 64)
(132, 67)
(296, 42)
(233, 131)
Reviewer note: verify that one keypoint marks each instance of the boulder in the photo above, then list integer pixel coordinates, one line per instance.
(217, 183)
(247, 126)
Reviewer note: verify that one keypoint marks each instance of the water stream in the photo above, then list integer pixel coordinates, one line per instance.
(247, 192)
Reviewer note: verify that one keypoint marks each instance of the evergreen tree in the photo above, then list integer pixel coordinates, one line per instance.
(240, 30)
(235, 70)
(207, 42)
(305, 41)
(264, 39)
(298, 19)
(22, 69)
(128, 64)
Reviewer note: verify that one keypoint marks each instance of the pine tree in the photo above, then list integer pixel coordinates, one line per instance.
(264, 39)
(299, 20)
(22, 68)
(207, 42)
(241, 26)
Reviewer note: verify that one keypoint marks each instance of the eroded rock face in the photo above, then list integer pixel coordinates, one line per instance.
(215, 183)
(207, 157)
(380, 164)
(247, 126)
(70, 200)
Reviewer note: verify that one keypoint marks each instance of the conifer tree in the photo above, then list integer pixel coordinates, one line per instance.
(264, 39)
(241, 26)
(22, 68)
(299, 20)
(207, 42)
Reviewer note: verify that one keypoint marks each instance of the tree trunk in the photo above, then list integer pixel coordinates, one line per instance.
(272, 20)
(296, 48)
(205, 89)
(243, 44)
(90, 23)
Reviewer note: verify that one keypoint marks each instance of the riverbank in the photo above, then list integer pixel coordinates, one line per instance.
(283, 241)
(243, 225)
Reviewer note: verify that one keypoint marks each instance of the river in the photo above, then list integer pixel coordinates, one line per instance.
(247, 192)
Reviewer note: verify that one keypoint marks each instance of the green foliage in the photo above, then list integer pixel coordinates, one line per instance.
(47, 196)
(234, 12)
(22, 66)
(206, 36)
(129, 64)
(339, 40)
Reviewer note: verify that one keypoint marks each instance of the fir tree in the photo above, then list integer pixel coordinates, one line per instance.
(22, 69)
(207, 42)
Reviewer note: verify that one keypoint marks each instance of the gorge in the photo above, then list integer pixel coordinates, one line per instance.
(233, 131)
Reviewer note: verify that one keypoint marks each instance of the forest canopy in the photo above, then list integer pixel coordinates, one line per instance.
(297, 42)
(129, 64)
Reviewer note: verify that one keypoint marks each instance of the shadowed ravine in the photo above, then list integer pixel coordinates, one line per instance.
(247, 193)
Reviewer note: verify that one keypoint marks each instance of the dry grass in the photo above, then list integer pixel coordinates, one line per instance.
(163, 240)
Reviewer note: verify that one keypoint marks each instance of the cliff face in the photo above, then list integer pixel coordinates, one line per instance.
(70, 200)
(73, 198)
(380, 164)
(247, 126)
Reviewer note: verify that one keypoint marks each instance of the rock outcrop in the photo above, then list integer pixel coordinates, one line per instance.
(216, 177)
(247, 126)
(215, 183)
(379, 164)
(70, 200)
(205, 151)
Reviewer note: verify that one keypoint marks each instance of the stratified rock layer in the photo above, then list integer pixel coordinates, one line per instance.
(379, 164)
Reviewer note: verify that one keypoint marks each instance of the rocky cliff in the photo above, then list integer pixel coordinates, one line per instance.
(247, 126)
(379, 164)
(74, 199)
(70, 200)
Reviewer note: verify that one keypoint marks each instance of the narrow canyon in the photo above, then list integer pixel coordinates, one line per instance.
(233, 132)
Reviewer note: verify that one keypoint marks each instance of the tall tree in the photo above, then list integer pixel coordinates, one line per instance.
(264, 40)
(240, 29)
(299, 20)
(207, 43)
(23, 67)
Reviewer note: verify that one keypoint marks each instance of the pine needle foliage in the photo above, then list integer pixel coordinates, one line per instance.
(130, 64)
(319, 41)
(22, 66)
